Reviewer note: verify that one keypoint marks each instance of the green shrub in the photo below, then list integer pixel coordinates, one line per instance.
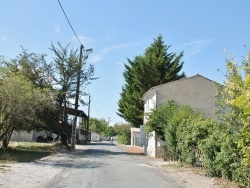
(211, 147)
(159, 119)
(242, 175)
(123, 132)
(124, 139)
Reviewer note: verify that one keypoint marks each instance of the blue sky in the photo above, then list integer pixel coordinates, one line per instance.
(117, 30)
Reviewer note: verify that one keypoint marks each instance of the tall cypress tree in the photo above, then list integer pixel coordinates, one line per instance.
(156, 66)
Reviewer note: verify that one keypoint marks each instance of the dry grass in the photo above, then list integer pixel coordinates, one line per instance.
(132, 149)
(25, 152)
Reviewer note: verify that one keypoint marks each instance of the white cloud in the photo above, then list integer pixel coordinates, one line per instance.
(108, 49)
(83, 39)
(95, 58)
(57, 29)
(196, 46)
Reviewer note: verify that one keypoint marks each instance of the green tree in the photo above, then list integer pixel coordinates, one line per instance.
(67, 68)
(110, 131)
(234, 112)
(156, 66)
(33, 67)
(23, 106)
(34, 74)
(123, 132)
(98, 125)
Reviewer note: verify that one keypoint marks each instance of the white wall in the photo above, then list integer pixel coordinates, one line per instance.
(149, 105)
(155, 146)
(82, 137)
(105, 138)
(151, 146)
(95, 137)
(22, 136)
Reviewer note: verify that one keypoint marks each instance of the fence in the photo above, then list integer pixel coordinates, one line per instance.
(168, 156)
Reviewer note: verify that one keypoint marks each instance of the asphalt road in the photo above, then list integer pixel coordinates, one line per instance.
(105, 165)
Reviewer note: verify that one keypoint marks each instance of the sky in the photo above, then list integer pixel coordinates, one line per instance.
(207, 31)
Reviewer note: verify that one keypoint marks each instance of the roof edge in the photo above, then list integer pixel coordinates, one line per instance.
(158, 86)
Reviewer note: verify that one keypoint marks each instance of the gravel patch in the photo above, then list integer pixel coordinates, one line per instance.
(22, 175)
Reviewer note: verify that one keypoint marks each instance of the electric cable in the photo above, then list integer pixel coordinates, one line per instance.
(94, 103)
(69, 22)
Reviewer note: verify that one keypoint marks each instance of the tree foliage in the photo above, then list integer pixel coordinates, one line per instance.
(235, 110)
(28, 83)
(182, 128)
(33, 67)
(67, 68)
(101, 126)
(27, 99)
(159, 118)
(156, 66)
(23, 106)
(98, 125)
(123, 132)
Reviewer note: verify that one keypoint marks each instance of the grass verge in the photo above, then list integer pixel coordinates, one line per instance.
(25, 152)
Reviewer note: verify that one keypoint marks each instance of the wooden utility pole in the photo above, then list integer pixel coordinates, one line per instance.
(73, 136)
(88, 120)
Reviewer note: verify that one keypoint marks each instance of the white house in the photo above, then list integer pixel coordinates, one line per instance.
(196, 91)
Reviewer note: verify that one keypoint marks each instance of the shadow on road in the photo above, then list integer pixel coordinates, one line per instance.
(83, 158)
(72, 163)
(101, 144)
(127, 150)
(102, 152)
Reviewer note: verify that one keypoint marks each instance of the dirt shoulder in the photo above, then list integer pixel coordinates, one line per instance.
(186, 176)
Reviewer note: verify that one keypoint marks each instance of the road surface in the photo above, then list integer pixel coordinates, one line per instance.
(105, 165)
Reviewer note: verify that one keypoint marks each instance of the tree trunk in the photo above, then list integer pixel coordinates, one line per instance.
(5, 143)
(6, 139)
(64, 140)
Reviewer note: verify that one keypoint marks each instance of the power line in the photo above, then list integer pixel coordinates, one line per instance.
(94, 103)
(97, 109)
(69, 22)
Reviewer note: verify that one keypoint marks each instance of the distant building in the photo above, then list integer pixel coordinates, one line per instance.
(135, 136)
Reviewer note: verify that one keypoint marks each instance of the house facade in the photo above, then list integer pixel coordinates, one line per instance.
(196, 91)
